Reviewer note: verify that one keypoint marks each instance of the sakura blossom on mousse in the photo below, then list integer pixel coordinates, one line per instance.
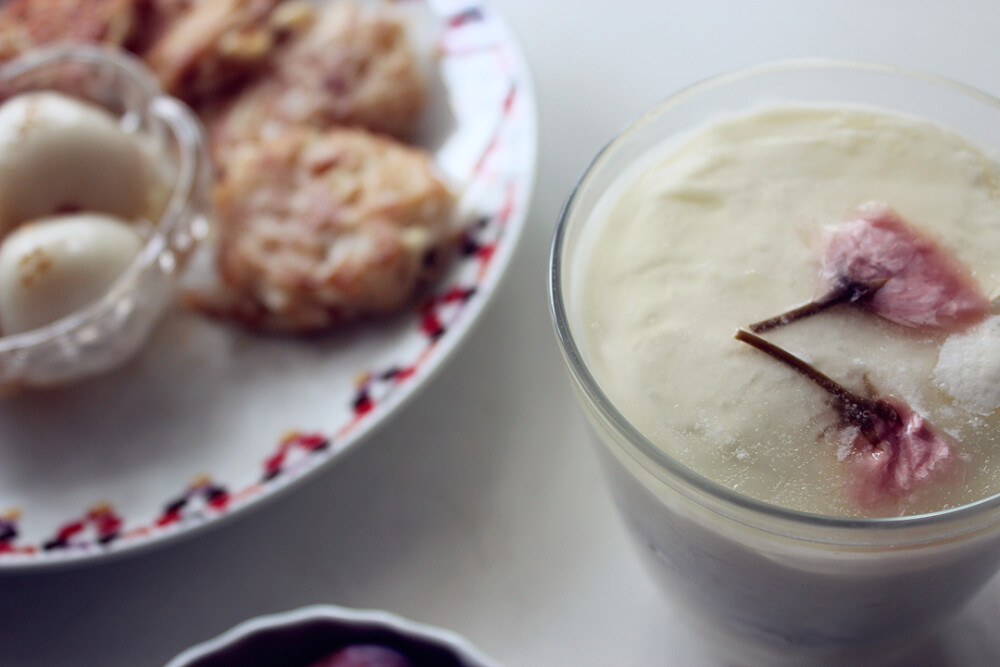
(853, 247)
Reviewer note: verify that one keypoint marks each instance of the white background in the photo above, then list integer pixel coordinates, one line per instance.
(480, 508)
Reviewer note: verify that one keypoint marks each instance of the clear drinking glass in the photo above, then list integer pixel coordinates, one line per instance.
(109, 330)
(769, 585)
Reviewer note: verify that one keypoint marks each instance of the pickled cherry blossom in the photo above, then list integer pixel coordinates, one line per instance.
(883, 263)
(893, 451)
(896, 457)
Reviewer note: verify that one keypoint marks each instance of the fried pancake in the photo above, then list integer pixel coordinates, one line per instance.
(27, 24)
(322, 227)
(352, 66)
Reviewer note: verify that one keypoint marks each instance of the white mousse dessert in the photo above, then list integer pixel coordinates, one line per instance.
(726, 227)
(59, 154)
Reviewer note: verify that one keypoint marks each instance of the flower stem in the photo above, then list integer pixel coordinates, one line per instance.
(854, 408)
(842, 292)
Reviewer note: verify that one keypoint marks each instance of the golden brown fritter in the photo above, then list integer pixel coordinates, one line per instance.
(357, 67)
(26, 24)
(324, 227)
(153, 19)
(352, 66)
(204, 48)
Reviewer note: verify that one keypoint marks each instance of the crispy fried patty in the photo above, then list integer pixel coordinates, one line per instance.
(322, 227)
(351, 66)
(27, 24)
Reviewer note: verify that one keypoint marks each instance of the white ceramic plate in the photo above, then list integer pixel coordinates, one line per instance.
(209, 420)
(301, 636)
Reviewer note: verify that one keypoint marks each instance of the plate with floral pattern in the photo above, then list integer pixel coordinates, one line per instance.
(209, 421)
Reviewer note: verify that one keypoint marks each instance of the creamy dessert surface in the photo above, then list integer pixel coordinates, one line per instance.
(723, 229)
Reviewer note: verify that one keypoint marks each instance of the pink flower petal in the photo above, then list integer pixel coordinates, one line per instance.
(926, 286)
(907, 457)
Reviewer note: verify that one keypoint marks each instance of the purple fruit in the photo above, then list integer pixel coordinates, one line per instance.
(364, 655)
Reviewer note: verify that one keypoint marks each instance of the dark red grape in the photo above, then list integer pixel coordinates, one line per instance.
(364, 655)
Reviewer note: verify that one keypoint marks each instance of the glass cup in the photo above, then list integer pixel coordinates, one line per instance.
(769, 585)
(108, 331)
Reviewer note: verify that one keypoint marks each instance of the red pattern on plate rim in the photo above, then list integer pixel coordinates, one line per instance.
(102, 526)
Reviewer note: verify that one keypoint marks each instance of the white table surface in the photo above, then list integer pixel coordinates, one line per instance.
(480, 508)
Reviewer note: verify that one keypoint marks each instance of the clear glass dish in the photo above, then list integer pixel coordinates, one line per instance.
(108, 331)
(768, 584)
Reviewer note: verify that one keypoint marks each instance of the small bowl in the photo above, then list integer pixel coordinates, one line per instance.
(110, 330)
(299, 638)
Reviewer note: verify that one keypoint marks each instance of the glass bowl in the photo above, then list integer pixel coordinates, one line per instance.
(771, 585)
(109, 330)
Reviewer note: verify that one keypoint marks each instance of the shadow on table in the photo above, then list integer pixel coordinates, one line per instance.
(353, 535)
